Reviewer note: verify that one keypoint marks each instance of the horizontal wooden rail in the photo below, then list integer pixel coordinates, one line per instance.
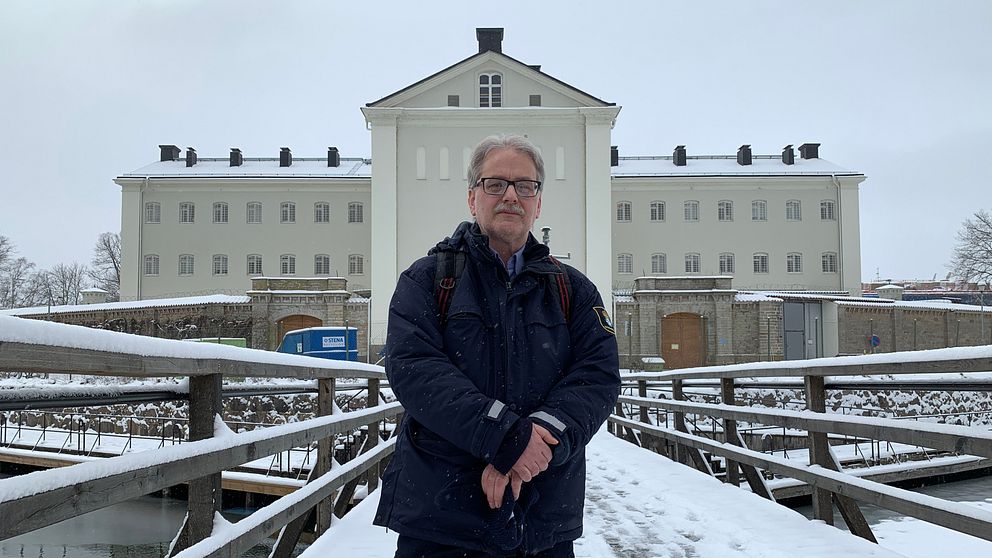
(974, 521)
(248, 532)
(97, 484)
(24, 357)
(961, 439)
(937, 361)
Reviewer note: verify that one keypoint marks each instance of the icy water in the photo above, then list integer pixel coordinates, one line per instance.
(140, 528)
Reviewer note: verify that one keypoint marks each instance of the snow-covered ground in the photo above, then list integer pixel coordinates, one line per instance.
(639, 504)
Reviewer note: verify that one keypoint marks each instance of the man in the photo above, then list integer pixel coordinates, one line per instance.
(506, 364)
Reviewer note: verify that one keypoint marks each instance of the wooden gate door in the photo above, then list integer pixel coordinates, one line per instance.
(299, 321)
(682, 340)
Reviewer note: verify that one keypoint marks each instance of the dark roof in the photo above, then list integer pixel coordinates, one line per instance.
(529, 67)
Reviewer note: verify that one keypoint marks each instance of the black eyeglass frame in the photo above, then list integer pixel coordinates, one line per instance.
(507, 184)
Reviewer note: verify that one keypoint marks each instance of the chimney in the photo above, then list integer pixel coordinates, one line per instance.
(285, 157)
(190, 156)
(614, 156)
(168, 153)
(490, 38)
(236, 158)
(788, 155)
(744, 155)
(535, 67)
(333, 157)
(809, 151)
(678, 156)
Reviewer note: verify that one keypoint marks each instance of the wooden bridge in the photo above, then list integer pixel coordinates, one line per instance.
(46, 497)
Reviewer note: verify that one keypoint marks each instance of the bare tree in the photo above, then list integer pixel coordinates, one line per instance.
(106, 270)
(6, 251)
(15, 284)
(973, 253)
(63, 283)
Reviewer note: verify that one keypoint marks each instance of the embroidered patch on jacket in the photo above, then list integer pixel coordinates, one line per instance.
(604, 319)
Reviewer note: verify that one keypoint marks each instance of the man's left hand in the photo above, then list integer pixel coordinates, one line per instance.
(494, 485)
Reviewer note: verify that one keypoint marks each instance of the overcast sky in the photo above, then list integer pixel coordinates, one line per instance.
(899, 90)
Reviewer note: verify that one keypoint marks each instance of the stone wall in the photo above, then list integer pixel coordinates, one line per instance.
(902, 329)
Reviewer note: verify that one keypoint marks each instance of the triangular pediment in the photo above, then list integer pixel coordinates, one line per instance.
(520, 82)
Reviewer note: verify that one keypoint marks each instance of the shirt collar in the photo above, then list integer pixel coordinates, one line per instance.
(515, 263)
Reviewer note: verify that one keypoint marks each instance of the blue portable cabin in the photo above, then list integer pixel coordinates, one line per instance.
(335, 343)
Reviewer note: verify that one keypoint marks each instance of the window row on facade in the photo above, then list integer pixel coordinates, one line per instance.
(692, 263)
(725, 211)
(253, 212)
(219, 264)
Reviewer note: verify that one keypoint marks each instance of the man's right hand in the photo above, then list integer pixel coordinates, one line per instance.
(536, 456)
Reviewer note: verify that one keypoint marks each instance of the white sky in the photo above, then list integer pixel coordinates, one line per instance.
(895, 89)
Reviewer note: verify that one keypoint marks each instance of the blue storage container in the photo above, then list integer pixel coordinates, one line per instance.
(336, 343)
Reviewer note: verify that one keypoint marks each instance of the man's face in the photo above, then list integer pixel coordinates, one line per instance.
(505, 219)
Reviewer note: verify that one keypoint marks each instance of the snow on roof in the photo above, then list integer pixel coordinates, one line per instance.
(109, 306)
(38, 332)
(302, 167)
(935, 304)
(725, 165)
(755, 297)
(820, 295)
(889, 288)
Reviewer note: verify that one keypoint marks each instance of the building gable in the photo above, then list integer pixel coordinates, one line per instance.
(519, 81)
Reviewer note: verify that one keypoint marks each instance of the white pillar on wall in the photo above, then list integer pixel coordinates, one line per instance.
(384, 218)
(599, 229)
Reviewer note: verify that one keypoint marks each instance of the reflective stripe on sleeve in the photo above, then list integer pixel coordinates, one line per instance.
(495, 410)
(550, 419)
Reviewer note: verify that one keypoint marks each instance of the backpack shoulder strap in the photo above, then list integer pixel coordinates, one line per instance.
(449, 267)
(562, 288)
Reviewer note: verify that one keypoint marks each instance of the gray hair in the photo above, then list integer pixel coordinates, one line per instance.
(517, 143)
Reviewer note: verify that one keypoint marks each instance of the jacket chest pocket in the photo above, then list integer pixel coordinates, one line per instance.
(469, 343)
(544, 350)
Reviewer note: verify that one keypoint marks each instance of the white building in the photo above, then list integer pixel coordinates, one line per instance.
(196, 225)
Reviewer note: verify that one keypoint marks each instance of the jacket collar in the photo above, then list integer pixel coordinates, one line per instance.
(468, 237)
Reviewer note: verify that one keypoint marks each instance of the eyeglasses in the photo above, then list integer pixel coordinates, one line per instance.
(497, 186)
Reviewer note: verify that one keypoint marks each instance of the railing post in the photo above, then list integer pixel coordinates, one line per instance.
(648, 442)
(680, 449)
(819, 451)
(373, 436)
(325, 449)
(730, 430)
(205, 491)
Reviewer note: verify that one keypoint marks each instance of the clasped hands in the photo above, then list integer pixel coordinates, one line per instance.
(531, 462)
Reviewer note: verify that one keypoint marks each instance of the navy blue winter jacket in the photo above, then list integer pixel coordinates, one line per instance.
(505, 356)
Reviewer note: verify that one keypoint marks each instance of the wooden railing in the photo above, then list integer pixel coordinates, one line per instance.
(830, 485)
(46, 497)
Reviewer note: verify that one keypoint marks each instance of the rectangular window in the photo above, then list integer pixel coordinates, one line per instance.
(829, 262)
(623, 211)
(692, 263)
(794, 263)
(690, 210)
(187, 212)
(827, 210)
(254, 264)
(356, 265)
(321, 212)
(659, 263)
(793, 211)
(759, 210)
(356, 213)
(725, 210)
(186, 264)
(254, 212)
(726, 264)
(321, 264)
(151, 264)
(761, 263)
(453, 101)
(657, 211)
(287, 212)
(625, 263)
(153, 213)
(220, 212)
(535, 100)
(220, 265)
(287, 264)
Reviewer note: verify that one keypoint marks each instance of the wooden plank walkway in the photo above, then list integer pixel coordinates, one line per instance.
(640, 505)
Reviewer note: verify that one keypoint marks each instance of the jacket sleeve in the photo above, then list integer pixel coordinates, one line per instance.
(432, 389)
(581, 401)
